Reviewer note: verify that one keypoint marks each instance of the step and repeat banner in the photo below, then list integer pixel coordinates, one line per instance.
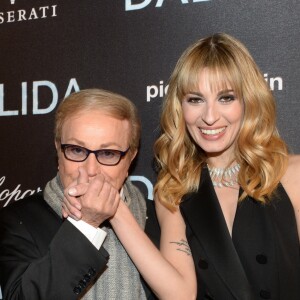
(50, 48)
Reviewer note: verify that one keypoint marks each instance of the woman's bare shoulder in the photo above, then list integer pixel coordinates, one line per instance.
(291, 179)
(293, 168)
(291, 183)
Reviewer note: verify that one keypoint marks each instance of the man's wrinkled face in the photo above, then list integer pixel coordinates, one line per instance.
(95, 130)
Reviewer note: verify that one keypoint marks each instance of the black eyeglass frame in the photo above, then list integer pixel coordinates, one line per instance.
(95, 152)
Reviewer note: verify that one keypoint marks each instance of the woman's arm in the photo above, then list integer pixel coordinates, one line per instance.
(169, 272)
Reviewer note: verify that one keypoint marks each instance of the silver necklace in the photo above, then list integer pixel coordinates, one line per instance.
(224, 177)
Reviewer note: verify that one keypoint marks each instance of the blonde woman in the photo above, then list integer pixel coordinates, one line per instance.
(224, 166)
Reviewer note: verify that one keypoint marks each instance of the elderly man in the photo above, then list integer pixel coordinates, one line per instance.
(45, 256)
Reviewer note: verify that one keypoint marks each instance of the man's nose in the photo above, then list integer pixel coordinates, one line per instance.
(92, 165)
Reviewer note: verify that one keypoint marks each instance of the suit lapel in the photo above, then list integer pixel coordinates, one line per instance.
(203, 213)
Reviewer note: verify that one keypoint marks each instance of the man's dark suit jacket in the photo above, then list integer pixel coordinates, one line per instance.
(43, 257)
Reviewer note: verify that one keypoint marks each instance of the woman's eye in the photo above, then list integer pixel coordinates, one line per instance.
(194, 100)
(227, 98)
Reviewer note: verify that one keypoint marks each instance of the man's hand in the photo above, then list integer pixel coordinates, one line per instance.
(91, 201)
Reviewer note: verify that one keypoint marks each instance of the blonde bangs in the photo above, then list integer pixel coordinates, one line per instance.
(223, 73)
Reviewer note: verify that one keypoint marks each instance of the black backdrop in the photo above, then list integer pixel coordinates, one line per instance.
(50, 48)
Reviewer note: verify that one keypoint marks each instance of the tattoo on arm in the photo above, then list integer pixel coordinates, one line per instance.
(183, 246)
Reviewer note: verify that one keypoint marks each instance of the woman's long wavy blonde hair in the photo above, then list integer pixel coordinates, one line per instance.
(260, 151)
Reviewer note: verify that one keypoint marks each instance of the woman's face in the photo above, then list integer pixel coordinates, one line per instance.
(95, 130)
(213, 118)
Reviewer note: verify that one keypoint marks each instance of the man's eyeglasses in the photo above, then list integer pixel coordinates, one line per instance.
(107, 157)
